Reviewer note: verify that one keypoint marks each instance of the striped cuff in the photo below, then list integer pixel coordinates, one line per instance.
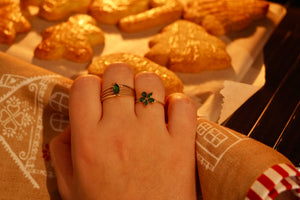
(273, 181)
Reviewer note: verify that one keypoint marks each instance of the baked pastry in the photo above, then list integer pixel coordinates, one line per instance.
(31, 2)
(171, 81)
(136, 15)
(219, 17)
(72, 40)
(184, 46)
(12, 21)
(111, 11)
(161, 12)
(53, 10)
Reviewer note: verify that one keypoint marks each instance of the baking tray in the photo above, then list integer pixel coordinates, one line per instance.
(243, 47)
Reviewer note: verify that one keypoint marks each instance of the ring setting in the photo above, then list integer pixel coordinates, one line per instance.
(147, 98)
(117, 90)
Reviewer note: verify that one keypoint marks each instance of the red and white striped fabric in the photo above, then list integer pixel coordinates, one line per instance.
(273, 181)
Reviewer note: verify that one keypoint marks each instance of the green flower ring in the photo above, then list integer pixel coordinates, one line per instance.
(147, 98)
(117, 90)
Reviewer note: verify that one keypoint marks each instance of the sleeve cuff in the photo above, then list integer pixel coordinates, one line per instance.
(275, 180)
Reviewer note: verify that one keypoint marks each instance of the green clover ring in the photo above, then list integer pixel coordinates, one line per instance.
(117, 90)
(147, 98)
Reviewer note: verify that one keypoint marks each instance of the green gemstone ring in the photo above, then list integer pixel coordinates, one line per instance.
(117, 90)
(147, 98)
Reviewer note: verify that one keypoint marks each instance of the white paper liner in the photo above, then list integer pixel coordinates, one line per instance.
(234, 94)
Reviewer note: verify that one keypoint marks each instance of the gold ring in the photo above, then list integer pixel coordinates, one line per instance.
(147, 98)
(117, 90)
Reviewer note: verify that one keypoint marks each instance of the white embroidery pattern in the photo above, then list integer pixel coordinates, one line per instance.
(59, 102)
(212, 144)
(24, 123)
(14, 118)
(58, 121)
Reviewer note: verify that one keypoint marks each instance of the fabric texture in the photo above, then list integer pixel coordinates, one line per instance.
(275, 180)
(33, 109)
(233, 166)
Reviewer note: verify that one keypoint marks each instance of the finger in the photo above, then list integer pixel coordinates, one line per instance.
(181, 117)
(115, 106)
(60, 151)
(150, 83)
(84, 105)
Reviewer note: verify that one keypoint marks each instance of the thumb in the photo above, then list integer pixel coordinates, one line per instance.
(60, 151)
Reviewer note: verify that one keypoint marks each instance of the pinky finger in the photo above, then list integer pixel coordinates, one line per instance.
(181, 116)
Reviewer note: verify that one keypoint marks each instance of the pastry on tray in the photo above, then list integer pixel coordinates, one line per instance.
(12, 21)
(53, 10)
(219, 17)
(31, 2)
(171, 81)
(162, 12)
(72, 40)
(136, 15)
(186, 47)
(111, 11)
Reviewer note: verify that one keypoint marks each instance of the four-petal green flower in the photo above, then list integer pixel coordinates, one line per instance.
(146, 98)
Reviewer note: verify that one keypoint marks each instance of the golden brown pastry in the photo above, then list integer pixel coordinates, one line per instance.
(219, 17)
(171, 81)
(184, 46)
(31, 2)
(161, 12)
(136, 15)
(111, 11)
(53, 10)
(72, 40)
(12, 21)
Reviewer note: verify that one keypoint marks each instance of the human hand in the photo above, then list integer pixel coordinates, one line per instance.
(120, 149)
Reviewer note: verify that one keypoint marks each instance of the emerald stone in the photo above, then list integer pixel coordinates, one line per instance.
(146, 98)
(142, 99)
(144, 94)
(151, 100)
(116, 88)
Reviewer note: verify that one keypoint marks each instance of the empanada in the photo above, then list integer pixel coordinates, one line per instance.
(171, 81)
(53, 10)
(72, 40)
(219, 17)
(12, 21)
(184, 46)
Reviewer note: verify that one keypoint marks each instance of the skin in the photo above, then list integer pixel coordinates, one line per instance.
(120, 149)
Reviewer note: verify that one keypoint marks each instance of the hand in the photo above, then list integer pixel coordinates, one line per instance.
(120, 149)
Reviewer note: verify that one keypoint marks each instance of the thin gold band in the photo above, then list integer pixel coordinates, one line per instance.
(155, 101)
(117, 90)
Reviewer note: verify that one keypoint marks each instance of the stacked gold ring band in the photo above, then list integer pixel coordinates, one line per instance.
(117, 90)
